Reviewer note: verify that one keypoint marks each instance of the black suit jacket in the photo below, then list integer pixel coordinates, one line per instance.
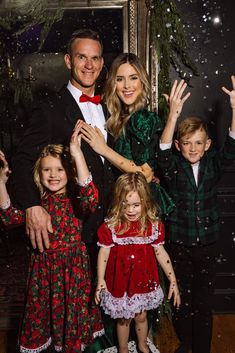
(52, 121)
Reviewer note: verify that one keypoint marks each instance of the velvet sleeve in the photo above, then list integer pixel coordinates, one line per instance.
(142, 138)
(104, 236)
(161, 235)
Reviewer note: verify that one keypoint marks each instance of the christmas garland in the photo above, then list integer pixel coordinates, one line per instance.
(169, 37)
(167, 33)
(14, 88)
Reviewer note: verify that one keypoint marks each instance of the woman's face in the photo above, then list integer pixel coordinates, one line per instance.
(128, 84)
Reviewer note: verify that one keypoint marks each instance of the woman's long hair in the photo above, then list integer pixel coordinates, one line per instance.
(120, 112)
(131, 182)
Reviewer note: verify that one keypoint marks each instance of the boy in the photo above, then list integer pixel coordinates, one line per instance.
(190, 176)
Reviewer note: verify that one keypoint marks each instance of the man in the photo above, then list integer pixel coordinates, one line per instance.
(52, 121)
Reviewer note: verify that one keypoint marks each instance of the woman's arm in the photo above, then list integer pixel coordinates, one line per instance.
(95, 138)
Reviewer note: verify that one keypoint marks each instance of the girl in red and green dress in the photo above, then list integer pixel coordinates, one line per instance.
(58, 300)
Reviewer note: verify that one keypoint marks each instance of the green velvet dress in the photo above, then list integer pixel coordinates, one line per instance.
(140, 144)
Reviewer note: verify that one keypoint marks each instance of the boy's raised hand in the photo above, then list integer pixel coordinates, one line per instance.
(176, 99)
(4, 169)
(231, 93)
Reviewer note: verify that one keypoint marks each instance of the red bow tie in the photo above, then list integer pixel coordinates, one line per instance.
(94, 99)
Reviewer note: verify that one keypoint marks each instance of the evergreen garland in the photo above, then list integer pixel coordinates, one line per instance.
(12, 24)
(169, 38)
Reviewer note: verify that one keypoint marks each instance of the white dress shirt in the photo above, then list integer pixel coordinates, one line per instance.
(92, 113)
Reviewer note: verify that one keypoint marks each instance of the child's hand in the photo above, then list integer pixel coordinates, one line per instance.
(100, 286)
(75, 141)
(231, 93)
(175, 100)
(173, 290)
(4, 169)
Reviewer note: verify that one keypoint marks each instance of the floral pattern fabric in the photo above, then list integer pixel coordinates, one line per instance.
(131, 274)
(59, 308)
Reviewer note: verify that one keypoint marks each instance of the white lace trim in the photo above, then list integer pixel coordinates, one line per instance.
(95, 334)
(36, 350)
(131, 348)
(85, 182)
(127, 307)
(157, 245)
(105, 246)
(137, 239)
(57, 348)
(5, 204)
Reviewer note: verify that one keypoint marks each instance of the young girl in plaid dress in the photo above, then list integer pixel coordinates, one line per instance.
(58, 306)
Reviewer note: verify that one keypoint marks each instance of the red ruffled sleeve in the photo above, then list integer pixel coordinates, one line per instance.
(104, 236)
(161, 234)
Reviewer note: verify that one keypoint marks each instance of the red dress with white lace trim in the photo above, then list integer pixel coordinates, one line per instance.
(131, 274)
(58, 301)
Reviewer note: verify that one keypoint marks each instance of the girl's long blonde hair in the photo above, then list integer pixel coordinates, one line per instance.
(58, 151)
(131, 182)
(120, 112)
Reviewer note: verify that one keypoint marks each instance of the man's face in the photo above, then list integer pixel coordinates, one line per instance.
(194, 146)
(85, 63)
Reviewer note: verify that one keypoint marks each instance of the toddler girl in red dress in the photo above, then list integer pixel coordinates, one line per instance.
(131, 243)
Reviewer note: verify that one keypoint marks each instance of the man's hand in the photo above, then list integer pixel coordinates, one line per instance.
(38, 224)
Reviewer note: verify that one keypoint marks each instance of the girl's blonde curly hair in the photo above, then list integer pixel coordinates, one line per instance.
(132, 182)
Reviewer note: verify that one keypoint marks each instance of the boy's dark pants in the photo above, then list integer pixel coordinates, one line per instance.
(195, 271)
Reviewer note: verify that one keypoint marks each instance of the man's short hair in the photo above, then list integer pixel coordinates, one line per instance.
(85, 33)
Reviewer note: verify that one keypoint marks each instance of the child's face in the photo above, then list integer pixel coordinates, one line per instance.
(194, 146)
(128, 84)
(53, 175)
(132, 206)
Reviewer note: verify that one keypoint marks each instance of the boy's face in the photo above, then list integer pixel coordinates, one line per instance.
(194, 146)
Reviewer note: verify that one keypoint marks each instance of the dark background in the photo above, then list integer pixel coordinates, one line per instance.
(210, 45)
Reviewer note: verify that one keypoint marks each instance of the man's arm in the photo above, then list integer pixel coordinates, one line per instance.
(26, 194)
